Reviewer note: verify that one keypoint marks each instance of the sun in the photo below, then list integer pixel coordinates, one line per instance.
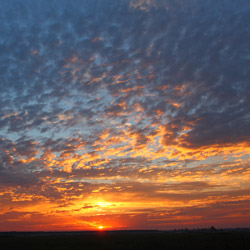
(100, 227)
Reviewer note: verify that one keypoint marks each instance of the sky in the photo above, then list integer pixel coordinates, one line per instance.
(124, 114)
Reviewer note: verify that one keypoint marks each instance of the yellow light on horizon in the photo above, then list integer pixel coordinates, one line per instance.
(100, 227)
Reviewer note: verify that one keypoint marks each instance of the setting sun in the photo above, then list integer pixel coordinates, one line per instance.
(100, 227)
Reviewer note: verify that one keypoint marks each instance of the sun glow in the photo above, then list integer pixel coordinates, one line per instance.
(100, 227)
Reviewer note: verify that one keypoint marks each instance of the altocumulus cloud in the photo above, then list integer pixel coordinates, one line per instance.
(138, 109)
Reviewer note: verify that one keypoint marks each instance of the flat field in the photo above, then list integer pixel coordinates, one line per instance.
(126, 240)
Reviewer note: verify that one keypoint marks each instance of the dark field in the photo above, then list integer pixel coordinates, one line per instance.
(126, 240)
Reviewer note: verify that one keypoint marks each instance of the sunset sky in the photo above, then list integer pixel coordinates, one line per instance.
(124, 114)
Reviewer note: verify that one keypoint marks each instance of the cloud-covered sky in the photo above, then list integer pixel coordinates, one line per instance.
(126, 114)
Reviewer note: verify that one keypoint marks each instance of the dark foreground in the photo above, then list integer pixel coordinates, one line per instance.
(220, 240)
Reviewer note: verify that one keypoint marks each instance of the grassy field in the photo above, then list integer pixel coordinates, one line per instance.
(238, 240)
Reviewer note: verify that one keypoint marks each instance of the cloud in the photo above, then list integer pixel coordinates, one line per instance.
(144, 100)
